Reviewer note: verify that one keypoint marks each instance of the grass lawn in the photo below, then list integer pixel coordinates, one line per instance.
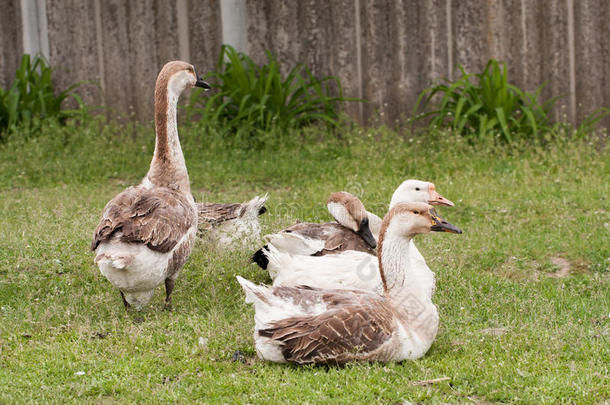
(523, 294)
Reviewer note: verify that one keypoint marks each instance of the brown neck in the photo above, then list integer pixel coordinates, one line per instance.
(167, 168)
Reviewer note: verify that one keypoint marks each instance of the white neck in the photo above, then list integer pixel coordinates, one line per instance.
(173, 141)
(404, 278)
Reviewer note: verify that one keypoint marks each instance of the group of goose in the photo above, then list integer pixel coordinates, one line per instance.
(354, 289)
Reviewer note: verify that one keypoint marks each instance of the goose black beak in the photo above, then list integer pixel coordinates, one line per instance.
(365, 233)
(202, 84)
(440, 225)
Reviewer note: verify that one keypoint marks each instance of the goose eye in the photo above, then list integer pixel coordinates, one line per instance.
(416, 212)
(416, 188)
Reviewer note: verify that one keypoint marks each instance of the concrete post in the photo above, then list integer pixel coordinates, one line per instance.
(34, 24)
(234, 24)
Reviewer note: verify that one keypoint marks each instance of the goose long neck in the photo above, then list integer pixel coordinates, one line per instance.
(402, 277)
(168, 168)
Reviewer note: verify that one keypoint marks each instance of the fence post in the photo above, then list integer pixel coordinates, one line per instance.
(34, 25)
(234, 24)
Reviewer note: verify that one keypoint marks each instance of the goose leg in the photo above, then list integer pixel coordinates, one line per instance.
(169, 287)
(124, 300)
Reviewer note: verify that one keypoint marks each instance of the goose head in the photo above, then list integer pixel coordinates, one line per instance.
(409, 219)
(348, 210)
(179, 75)
(418, 191)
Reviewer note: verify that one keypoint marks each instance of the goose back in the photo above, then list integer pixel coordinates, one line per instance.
(158, 217)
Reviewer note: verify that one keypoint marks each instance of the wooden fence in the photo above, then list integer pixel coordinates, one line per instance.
(385, 51)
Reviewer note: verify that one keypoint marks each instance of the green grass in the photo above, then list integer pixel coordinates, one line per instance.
(509, 332)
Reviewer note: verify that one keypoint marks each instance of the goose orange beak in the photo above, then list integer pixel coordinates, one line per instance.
(440, 225)
(436, 198)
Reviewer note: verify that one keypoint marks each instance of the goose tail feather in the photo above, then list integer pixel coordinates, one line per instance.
(256, 206)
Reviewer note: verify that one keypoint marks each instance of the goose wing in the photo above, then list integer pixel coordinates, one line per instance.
(352, 331)
(158, 217)
(215, 213)
(336, 237)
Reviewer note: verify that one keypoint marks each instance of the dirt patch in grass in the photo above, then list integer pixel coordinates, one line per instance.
(494, 331)
(564, 267)
(523, 269)
(519, 269)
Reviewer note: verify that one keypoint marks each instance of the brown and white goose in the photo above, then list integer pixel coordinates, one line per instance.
(350, 232)
(227, 224)
(306, 325)
(311, 239)
(146, 233)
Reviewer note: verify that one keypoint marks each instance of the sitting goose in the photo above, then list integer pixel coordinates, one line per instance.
(321, 239)
(293, 246)
(226, 224)
(350, 232)
(146, 233)
(306, 325)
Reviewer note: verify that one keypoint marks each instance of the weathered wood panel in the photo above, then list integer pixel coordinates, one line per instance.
(119, 79)
(319, 33)
(73, 51)
(393, 76)
(385, 51)
(554, 56)
(205, 34)
(11, 46)
(592, 46)
(152, 41)
(137, 38)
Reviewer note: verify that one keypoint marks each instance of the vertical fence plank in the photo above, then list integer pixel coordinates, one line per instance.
(142, 56)
(554, 60)
(378, 59)
(10, 41)
(166, 32)
(119, 80)
(339, 32)
(274, 25)
(205, 34)
(319, 33)
(395, 75)
(472, 36)
(153, 40)
(73, 22)
(420, 32)
(592, 46)
(490, 30)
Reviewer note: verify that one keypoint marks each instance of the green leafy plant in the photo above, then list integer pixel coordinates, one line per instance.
(251, 99)
(490, 107)
(32, 98)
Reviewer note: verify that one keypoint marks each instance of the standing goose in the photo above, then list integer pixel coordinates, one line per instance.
(146, 233)
(306, 325)
(226, 224)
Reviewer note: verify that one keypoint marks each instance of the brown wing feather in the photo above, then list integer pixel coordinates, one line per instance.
(215, 213)
(347, 333)
(336, 237)
(158, 217)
